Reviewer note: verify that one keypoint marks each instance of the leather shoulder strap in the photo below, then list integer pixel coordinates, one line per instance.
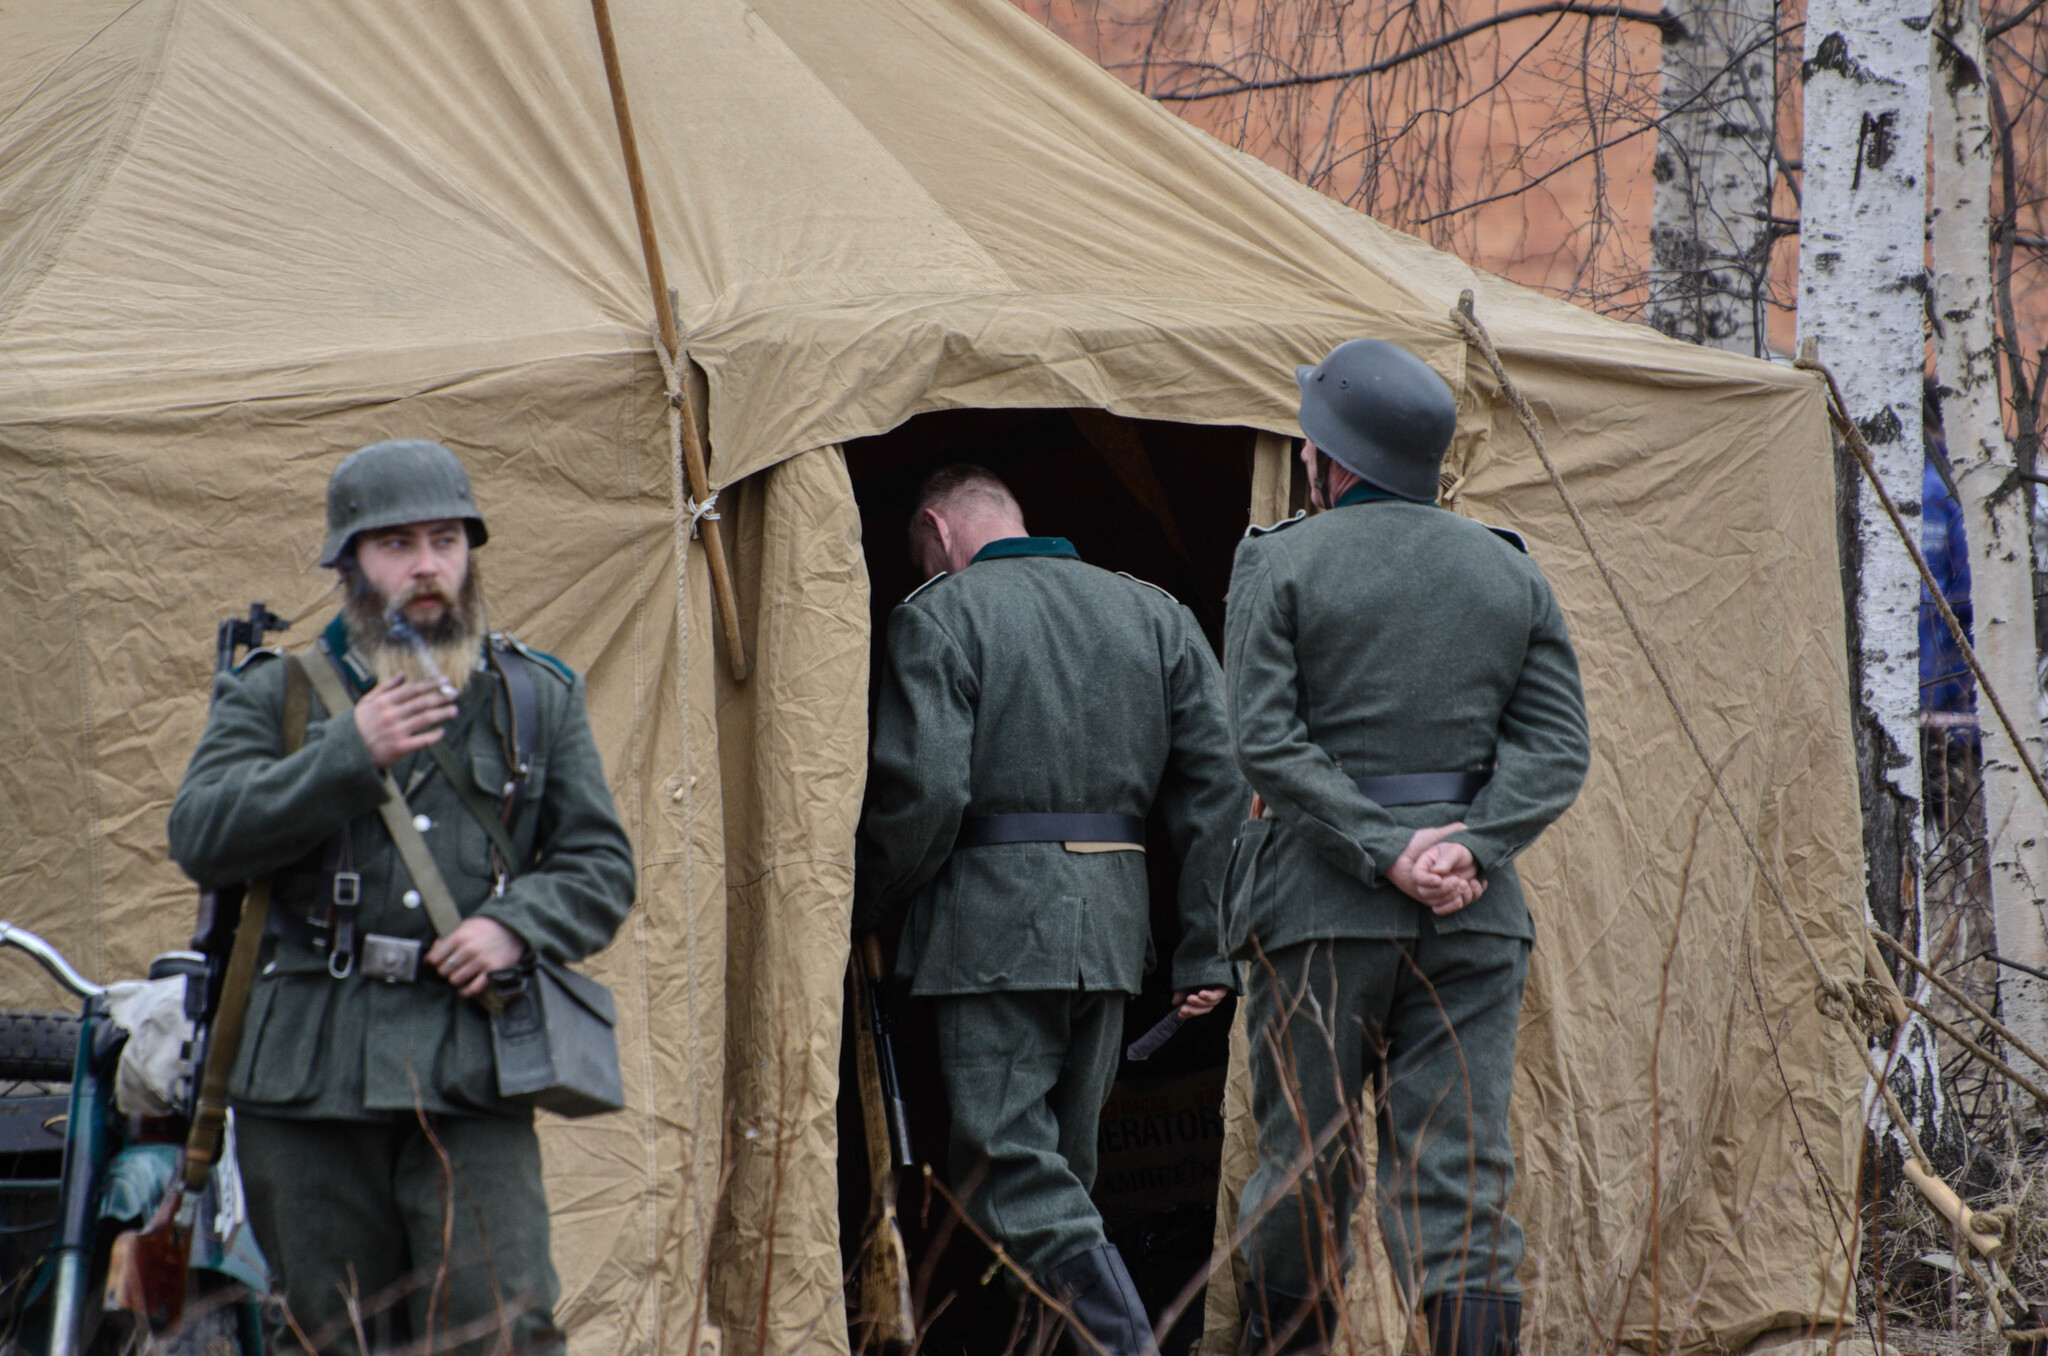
(298, 703)
(524, 705)
(209, 1115)
(397, 815)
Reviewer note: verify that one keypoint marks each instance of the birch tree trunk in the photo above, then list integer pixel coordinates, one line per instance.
(1862, 277)
(1710, 237)
(1995, 509)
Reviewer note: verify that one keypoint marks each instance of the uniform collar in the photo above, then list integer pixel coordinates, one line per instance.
(335, 638)
(1026, 546)
(1366, 493)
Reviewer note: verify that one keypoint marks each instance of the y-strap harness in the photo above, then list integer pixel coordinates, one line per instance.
(337, 922)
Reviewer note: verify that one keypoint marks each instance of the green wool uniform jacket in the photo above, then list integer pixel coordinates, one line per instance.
(351, 1049)
(1034, 682)
(1389, 637)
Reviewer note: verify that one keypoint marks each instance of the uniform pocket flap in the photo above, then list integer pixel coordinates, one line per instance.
(488, 771)
(1244, 851)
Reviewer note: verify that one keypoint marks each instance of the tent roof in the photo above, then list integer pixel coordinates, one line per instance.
(229, 200)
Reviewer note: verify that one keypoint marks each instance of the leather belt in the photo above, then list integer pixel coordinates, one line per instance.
(988, 830)
(1424, 788)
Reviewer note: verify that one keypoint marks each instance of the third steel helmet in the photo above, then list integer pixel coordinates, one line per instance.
(1381, 413)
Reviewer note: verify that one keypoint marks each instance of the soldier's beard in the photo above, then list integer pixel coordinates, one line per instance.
(454, 640)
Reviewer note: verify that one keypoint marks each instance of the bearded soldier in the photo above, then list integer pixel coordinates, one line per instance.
(365, 1057)
(1033, 710)
(1404, 700)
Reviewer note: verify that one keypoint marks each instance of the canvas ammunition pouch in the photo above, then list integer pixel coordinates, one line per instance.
(551, 1028)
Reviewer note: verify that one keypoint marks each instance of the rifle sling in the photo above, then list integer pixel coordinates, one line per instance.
(202, 1142)
(412, 848)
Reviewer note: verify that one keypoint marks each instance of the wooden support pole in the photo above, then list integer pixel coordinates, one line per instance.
(694, 469)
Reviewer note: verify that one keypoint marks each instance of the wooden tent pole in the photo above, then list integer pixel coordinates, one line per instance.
(657, 278)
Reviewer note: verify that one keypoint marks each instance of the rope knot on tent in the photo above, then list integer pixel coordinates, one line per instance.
(1858, 1003)
(671, 372)
(2000, 1221)
(672, 379)
(698, 512)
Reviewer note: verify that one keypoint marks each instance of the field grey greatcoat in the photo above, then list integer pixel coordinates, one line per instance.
(1388, 638)
(1034, 682)
(351, 1049)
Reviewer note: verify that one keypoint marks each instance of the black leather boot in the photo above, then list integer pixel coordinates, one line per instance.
(1277, 1323)
(1099, 1293)
(1474, 1323)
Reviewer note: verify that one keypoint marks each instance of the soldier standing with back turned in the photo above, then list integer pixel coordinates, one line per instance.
(1033, 710)
(364, 1056)
(1404, 699)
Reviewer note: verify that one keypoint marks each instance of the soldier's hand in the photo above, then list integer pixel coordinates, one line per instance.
(1449, 872)
(400, 716)
(1439, 890)
(1195, 1002)
(466, 956)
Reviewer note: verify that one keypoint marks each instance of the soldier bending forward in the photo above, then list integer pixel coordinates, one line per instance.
(342, 1079)
(1033, 710)
(1405, 702)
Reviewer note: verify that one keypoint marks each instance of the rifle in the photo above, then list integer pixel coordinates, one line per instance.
(146, 1271)
(885, 1270)
(220, 906)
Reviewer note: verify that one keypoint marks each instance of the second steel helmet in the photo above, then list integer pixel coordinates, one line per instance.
(403, 480)
(1381, 413)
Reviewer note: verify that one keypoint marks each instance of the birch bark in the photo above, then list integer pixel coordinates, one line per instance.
(1994, 508)
(1862, 278)
(1716, 154)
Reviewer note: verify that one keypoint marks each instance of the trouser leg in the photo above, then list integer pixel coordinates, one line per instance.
(320, 1203)
(351, 1216)
(1312, 1029)
(1026, 1074)
(1446, 1162)
(488, 1201)
(1094, 1049)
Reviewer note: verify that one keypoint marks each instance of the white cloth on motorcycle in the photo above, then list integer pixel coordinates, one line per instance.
(155, 1073)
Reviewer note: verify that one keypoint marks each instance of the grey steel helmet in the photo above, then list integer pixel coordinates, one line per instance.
(1381, 413)
(403, 480)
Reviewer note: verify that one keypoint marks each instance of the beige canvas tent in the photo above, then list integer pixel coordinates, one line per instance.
(240, 237)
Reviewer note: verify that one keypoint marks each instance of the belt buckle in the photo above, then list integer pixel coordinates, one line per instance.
(395, 960)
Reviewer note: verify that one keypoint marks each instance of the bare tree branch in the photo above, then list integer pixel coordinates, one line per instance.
(1662, 19)
(2008, 24)
(1598, 147)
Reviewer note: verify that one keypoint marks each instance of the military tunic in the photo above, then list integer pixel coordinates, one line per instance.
(1389, 637)
(1032, 682)
(360, 1059)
